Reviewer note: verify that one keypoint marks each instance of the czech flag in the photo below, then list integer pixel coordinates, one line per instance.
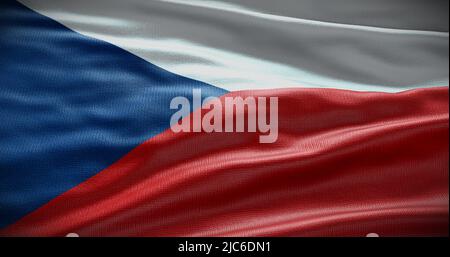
(87, 145)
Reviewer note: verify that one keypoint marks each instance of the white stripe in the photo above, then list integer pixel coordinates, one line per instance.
(422, 15)
(237, 48)
(242, 10)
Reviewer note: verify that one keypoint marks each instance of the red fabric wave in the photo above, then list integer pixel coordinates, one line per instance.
(345, 164)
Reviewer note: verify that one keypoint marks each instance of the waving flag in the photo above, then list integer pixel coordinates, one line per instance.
(87, 146)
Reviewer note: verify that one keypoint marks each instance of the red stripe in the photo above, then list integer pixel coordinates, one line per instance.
(345, 163)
